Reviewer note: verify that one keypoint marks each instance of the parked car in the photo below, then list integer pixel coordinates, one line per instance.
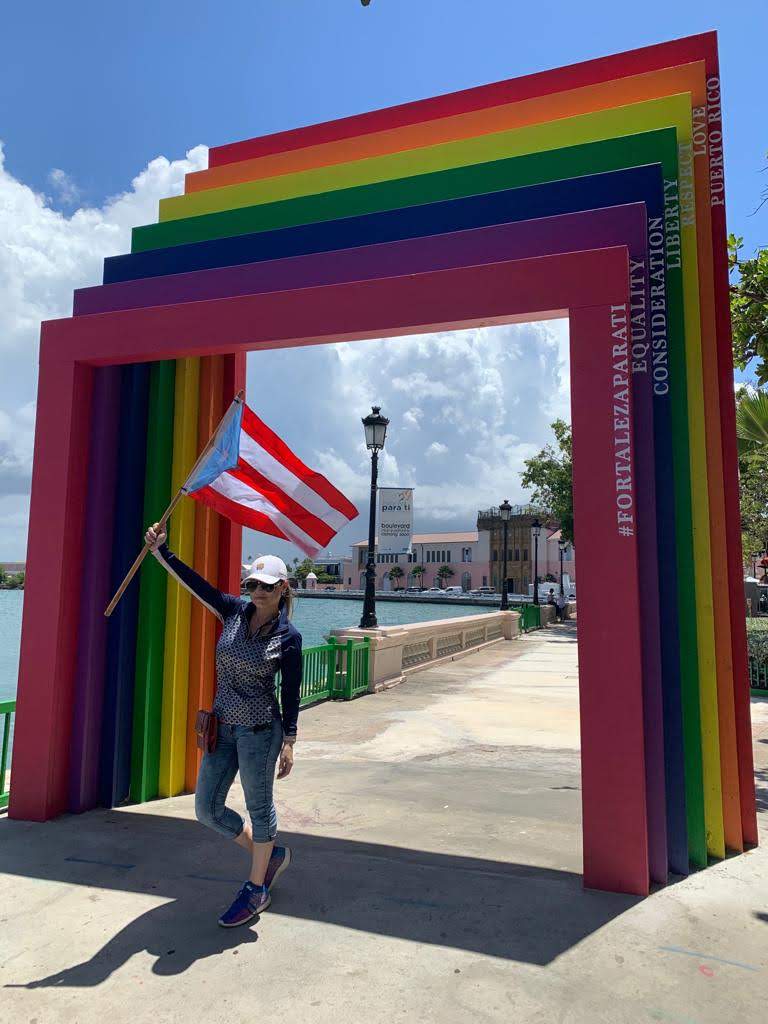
(329, 588)
(435, 590)
(483, 591)
(414, 590)
(453, 591)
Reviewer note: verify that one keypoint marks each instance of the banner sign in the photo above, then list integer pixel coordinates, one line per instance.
(395, 520)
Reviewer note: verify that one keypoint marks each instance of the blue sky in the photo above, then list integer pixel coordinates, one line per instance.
(97, 89)
(104, 106)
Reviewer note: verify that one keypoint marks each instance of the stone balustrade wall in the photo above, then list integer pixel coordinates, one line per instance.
(397, 651)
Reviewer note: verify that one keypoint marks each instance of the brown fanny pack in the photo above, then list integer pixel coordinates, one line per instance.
(206, 728)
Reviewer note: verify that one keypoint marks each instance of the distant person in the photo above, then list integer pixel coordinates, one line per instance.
(560, 603)
(551, 596)
(250, 731)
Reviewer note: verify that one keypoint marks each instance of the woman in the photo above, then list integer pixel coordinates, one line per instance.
(256, 642)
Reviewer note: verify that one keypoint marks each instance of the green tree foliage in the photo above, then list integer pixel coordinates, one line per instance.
(396, 574)
(302, 569)
(444, 573)
(418, 571)
(549, 477)
(749, 308)
(752, 428)
(752, 420)
(753, 480)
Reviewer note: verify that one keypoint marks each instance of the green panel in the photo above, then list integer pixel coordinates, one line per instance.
(150, 635)
(686, 588)
(513, 172)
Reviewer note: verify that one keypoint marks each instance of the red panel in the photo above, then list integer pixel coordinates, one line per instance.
(615, 845)
(477, 296)
(573, 76)
(52, 589)
(610, 678)
(730, 455)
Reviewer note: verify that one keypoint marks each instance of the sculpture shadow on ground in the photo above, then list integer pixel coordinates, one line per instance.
(513, 911)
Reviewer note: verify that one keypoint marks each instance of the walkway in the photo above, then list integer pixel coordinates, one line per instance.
(437, 842)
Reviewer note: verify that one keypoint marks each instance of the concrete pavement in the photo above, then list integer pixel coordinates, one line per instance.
(436, 833)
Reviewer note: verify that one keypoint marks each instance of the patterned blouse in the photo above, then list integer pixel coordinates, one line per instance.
(246, 664)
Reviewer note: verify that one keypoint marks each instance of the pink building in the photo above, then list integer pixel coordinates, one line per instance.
(467, 554)
(549, 557)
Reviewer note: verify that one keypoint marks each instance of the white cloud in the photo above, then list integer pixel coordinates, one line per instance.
(417, 384)
(67, 192)
(412, 417)
(44, 255)
(480, 401)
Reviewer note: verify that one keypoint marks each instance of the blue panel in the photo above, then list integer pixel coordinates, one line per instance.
(117, 717)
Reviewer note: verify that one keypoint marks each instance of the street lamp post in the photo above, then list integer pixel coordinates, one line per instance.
(375, 434)
(562, 544)
(536, 531)
(505, 511)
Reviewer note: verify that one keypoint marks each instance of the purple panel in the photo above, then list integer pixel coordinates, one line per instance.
(616, 225)
(92, 633)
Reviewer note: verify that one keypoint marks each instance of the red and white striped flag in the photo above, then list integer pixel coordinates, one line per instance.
(251, 476)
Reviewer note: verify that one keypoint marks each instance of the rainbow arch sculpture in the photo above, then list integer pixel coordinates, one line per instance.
(593, 191)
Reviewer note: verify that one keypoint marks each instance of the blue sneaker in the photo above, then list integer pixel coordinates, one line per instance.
(278, 862)
(249, 903)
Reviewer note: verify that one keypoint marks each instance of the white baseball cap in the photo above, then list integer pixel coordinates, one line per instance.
(267, 569)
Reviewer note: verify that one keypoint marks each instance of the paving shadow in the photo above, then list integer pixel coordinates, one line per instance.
(761, 788)
(177, 934)
(496, 908)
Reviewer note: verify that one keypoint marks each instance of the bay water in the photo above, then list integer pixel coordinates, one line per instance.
(313, 617)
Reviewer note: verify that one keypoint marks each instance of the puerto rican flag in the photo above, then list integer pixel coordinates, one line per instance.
(251, 476)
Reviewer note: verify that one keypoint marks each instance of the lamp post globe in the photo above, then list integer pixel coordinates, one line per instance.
(505, 511)
(536, 531)
(375, 426)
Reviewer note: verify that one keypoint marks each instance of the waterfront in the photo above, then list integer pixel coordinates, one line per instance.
(314, 618)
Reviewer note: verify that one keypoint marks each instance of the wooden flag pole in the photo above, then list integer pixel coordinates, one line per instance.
(166, 516)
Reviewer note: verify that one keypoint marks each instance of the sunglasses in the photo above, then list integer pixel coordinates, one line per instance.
(252, 585)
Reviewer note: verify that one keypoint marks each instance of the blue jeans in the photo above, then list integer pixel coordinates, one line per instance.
(255, 755)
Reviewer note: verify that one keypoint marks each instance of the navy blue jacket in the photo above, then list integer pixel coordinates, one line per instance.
(277, 650)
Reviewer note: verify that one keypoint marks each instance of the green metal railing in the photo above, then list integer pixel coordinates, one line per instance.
(333, 671)
(319, 673)
(530, 616)
(356, 661)
(758, 675)
(7, 708)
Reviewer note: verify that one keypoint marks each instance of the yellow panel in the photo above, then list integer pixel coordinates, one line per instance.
(181, 539)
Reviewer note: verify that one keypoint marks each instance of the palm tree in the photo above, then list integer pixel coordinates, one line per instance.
(418, 571)
(395, 574)
(444, 573)
(752, 419)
